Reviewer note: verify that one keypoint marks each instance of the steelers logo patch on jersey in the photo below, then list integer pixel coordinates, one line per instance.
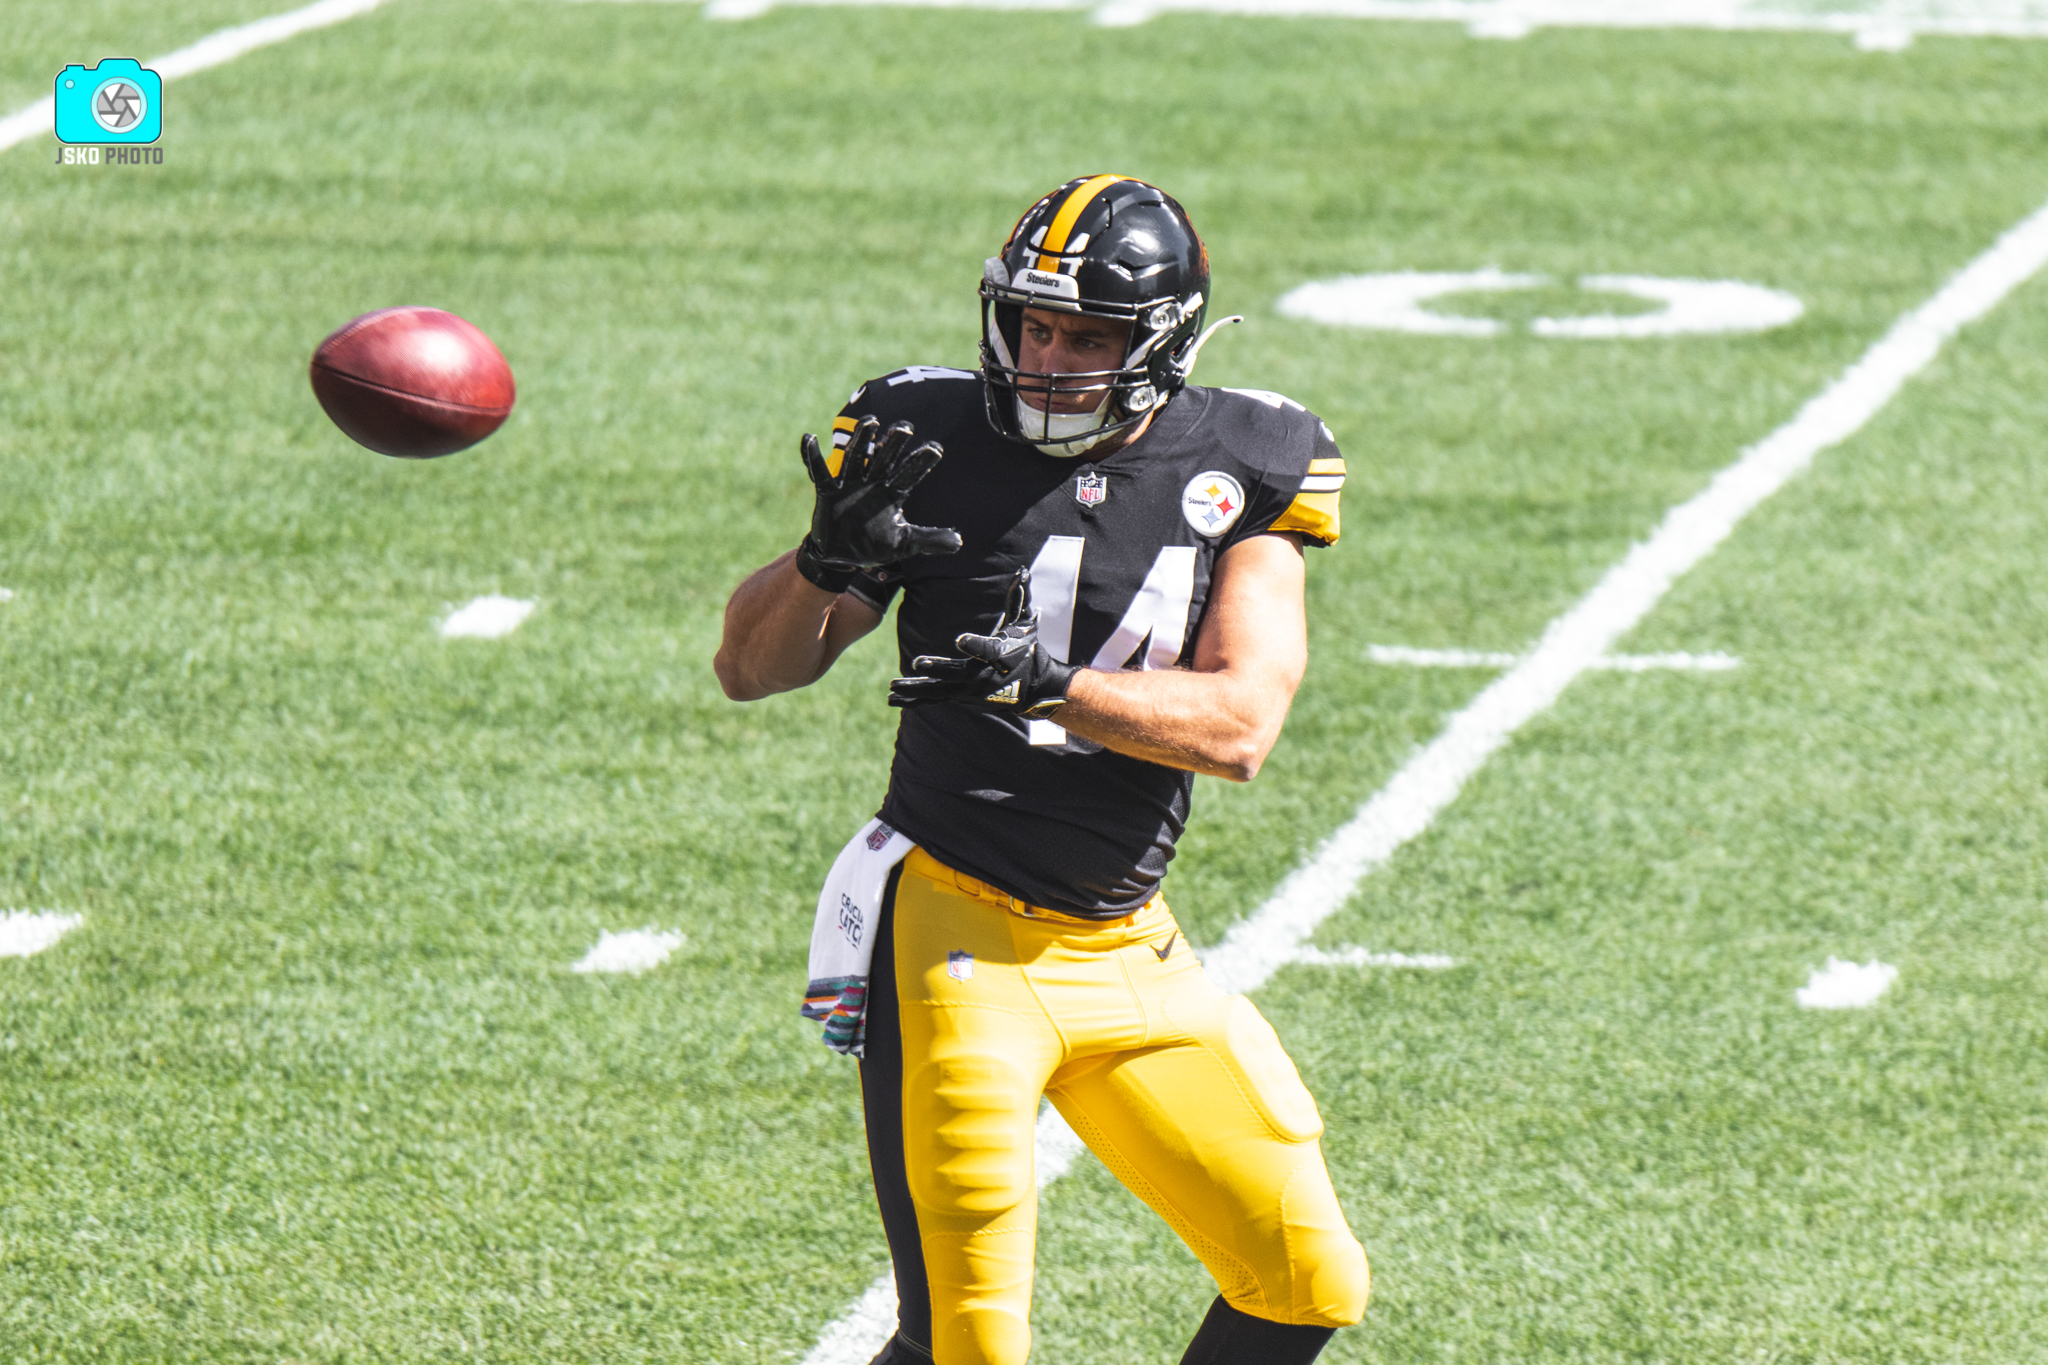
(1212, 502)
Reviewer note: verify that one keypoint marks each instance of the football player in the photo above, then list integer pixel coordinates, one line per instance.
(1100, 569)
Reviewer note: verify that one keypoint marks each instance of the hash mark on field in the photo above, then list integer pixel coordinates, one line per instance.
(1309, 956)
(1845, 985)
(1488, 658)
(24, 933)
(487, 618)
(631, 951)
(213, 50)
(1274, 934)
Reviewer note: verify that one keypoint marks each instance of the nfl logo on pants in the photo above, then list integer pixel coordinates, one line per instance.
(960, 966)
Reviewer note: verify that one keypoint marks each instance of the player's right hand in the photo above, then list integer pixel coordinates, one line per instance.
(857, 521)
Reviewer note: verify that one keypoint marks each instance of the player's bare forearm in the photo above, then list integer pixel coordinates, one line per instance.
(782, 633)
(1223, 716)
(1211, 723)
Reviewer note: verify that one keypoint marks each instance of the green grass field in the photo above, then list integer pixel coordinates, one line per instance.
(315, 1082)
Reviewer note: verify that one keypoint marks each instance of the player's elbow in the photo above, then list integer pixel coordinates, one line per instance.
(1240, 756)
(737, 681)
(1239, 772)
(746, 676)
(735, 687)
(1241, 759)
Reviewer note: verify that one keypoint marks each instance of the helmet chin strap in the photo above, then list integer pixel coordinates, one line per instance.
(1067, 434)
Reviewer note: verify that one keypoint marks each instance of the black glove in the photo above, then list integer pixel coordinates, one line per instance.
(857, 521)
(1008, 671)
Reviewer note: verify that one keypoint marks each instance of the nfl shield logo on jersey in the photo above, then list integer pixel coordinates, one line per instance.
(1090, 488)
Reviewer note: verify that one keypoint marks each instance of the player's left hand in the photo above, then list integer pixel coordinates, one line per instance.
(1008, 671)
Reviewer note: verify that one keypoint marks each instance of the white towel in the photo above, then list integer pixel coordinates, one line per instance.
(843, 935)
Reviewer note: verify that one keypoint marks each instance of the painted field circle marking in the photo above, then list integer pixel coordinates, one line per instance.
(1395, 302)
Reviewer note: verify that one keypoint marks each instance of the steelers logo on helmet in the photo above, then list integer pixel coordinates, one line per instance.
(1212, 502)
(1103, 246)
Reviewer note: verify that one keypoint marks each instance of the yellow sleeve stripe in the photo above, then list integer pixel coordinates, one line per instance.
(1326, 466)
(1311, 514)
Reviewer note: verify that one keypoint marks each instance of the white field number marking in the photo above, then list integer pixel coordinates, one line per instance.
(1845, 985)
(1404, 656)
(211, 51)
(486, 618)
(1394, 303)
(1274, 934)
(631, 951)
(24, 933)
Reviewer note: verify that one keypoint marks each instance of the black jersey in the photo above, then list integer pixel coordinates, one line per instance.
(1121, 549)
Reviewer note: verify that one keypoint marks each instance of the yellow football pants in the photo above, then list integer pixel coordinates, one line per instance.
(1182, 1090)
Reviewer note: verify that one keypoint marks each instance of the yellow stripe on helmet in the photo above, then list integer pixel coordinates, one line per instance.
(1070, 212)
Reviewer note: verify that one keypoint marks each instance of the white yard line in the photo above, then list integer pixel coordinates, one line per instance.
(1578, 639)
(1276, 933)
(862, 1330)
(1889, 29)
(211, 51)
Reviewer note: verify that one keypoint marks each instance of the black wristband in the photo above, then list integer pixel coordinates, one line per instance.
(818, 572)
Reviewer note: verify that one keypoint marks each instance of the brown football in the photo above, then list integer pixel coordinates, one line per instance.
(412, 382)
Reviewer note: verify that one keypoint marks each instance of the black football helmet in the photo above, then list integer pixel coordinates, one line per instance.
(1105, 246)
